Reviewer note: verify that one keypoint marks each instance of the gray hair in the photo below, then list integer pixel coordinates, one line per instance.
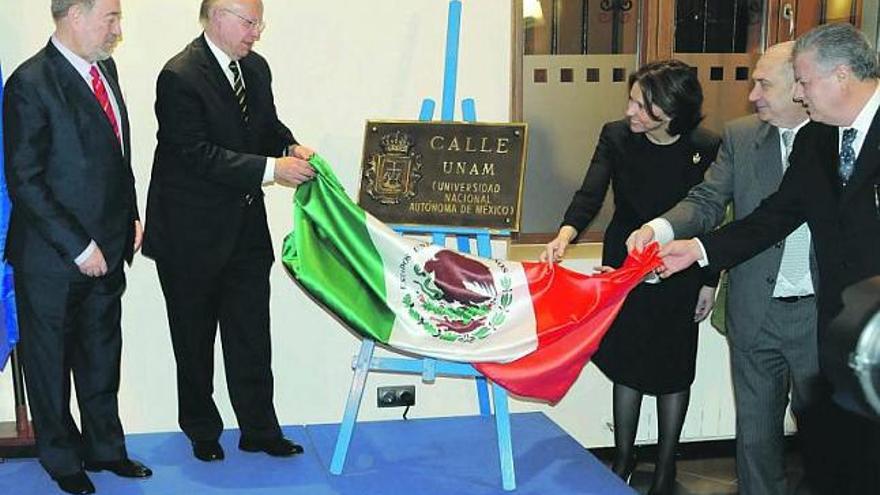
(836, 44)
(61, 7)
(205, 10)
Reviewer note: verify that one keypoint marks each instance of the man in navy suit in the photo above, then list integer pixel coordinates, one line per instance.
(219, 142)
(74, 221)
(834, 185)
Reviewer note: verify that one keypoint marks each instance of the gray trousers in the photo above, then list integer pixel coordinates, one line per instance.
(782, 357)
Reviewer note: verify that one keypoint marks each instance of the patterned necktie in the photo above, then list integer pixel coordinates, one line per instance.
(104, 100)
(787, 141)
(795, 263)
(238, 87)
(847, 156)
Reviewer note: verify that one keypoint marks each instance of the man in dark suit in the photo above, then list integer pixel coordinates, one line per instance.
(74, 221)
(833, 185)
(771, 310)
(219, 141)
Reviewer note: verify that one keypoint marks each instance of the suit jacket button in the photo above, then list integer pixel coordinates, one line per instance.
(771, 280)
(779, 245)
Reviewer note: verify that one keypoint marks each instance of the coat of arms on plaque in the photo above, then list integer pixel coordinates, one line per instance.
(393, 174)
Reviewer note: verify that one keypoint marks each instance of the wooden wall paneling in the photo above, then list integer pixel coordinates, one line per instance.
(658, 30)
(809, 14)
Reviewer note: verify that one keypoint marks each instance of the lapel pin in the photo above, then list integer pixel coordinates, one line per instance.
(696, 158)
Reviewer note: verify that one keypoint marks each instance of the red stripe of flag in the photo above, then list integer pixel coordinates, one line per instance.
(573, 312)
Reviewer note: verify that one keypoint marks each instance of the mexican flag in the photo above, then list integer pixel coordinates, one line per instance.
(530, 327)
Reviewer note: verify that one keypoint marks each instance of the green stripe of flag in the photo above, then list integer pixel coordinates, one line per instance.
(331, 253)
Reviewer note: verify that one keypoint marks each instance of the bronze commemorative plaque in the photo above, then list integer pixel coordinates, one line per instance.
(444, 173)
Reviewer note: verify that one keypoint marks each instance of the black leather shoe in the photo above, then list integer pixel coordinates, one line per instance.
(208, 450)
(125, 468)
(276, 447)
(78, 484)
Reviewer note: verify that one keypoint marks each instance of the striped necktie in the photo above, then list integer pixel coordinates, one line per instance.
(104, 100)
(238, 88)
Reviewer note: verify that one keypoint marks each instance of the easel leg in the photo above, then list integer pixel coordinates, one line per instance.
(484, 249)
(505, 446)
(346, 429)
(483, 396)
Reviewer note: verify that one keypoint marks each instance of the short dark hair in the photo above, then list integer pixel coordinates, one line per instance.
(61, 7)
(841, 43)
(671, 85)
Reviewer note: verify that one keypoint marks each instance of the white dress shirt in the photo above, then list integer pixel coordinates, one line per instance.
(861, 123)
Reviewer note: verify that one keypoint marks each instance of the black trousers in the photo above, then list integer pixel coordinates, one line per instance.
(235, 296)
(72, 327)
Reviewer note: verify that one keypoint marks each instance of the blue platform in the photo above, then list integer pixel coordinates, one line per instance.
(425, 456)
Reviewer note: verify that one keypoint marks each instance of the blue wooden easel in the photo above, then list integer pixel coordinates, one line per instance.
(429, 368)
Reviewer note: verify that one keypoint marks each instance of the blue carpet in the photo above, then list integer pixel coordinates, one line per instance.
(426, 456)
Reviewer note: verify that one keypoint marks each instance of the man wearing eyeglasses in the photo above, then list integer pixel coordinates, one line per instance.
(219, 142)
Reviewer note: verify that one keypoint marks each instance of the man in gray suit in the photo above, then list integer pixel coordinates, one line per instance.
(771, 313)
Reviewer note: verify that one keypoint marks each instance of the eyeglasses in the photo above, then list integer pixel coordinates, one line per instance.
(260, 26)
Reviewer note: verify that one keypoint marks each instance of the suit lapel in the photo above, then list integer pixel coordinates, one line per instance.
(769, 159)
(251, 77)
(120, 102)
(215, 75)
(824, 152)
(85, 105)
(866, 164)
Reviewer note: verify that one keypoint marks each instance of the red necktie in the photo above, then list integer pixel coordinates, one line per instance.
(104, 100)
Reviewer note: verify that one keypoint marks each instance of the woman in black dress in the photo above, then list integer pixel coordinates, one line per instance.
(651, 159)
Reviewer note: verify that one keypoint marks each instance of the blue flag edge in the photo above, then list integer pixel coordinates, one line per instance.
(8, 314)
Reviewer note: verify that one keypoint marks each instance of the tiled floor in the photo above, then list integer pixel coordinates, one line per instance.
(708, 476)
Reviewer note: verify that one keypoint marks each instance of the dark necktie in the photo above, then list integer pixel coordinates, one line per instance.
(104, 99)
(238, 88)
(847, 156)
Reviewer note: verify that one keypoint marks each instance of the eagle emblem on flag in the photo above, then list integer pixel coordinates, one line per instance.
(453, 297)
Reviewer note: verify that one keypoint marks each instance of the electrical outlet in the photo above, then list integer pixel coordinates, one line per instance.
(397, 396)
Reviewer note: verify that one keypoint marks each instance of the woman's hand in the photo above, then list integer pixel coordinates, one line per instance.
(705, 302)
(555, 249)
